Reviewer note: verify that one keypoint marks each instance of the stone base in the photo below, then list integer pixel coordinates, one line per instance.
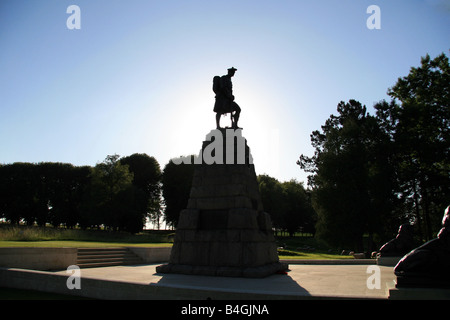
(388, 261)
(421, 281)
(411, 293)
(249, 272)
(224, 230)
(234, 242)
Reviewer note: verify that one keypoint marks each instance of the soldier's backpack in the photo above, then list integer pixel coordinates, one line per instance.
(216, 84)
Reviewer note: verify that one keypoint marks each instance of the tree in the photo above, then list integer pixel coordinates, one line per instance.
(42, 193)
(110, 180)
(418, 122)
(130, 208)
(272, 198)
(64, 186)
(21, 194)
(176, 187)
(370, 174)
(147, 177)
(287, 203)
(298, 213)
(346, 172)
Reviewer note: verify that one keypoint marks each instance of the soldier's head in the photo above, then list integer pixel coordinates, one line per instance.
(231, 71)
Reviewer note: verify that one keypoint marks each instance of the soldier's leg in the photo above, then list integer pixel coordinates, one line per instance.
(217, 120)
(237, 112)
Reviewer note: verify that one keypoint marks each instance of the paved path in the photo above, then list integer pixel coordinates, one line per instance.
(301, 282)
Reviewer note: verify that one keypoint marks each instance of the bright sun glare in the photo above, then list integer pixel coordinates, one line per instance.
(194, 119)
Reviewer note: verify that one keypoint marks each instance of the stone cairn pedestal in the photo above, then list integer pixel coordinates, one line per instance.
(224, 230)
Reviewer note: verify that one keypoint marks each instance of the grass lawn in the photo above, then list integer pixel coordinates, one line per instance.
(283, 254)
(314, 256)
(78, 244)
(293, 254)
(23, 236)
(19, 236)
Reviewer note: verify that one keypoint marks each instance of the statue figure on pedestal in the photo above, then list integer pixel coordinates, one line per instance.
(429, 264)
(224, 230)
(401, 245)
(223, 88)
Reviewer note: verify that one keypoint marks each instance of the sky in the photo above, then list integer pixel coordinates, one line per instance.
(136, 77)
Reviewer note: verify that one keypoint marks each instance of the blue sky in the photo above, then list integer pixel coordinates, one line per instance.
(137, 76)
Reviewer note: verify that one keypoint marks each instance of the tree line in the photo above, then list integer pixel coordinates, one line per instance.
(120, 194)
(117, 194)
(371, 173)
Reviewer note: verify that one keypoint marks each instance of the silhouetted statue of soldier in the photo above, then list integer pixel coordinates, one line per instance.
(223, 88)
(429, 264)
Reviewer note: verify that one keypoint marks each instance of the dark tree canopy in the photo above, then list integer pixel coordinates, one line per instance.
(176, 187)
(110, 194)
(418, 121)
(371, 173)
(147, 178)
(288, 205)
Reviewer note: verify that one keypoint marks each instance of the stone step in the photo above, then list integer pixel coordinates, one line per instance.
(108, 259)
(99, 264)
(100, 250)
(101, 253)
(102, 257)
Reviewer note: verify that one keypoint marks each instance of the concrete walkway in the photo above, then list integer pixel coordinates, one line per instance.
(301, 282)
